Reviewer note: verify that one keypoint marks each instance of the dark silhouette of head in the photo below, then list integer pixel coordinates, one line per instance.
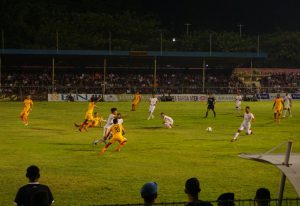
(149, 193)
(247, 109)
(115, 121)
(113, 110)
(226, 199)
(262, 197)
(33, 173)
(192, 188)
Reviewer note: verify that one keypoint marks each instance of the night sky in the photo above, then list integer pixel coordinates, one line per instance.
(257, 16)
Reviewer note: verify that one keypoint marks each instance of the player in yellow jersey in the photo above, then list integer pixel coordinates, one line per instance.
(277, 106)
(97, 121)
(89, 113)
(117, 131)
(28, 103)
(135, 101)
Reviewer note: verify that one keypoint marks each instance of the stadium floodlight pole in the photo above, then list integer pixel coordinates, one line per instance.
(258, 44)
(210, 44)
(161, 43)
(56, 41)
(187, 28)
(154, 76)
(2, 42)
(104, 77)
(2, 39)
(251, 75)
(283, 177)
(109, 42)
(203, 77)
(240, 26)
(0, 70)
(53, 70)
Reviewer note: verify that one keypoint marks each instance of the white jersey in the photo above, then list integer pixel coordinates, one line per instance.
(168, 119)
(287, 101)
(247, 123)
(110, 120)
(153, 101)
(248, 118)
(238, 99)
(120, 121)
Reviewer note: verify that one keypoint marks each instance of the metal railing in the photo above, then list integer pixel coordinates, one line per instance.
(15, 93)
(245, 202)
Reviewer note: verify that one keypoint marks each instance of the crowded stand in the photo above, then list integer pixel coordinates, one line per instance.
(219, 81)
(118, 82)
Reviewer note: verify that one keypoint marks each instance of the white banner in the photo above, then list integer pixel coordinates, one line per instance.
(80, 97)
(201, 97)
(175, 97)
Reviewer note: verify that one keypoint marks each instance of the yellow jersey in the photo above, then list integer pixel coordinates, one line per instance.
(278, 103)
(96, 121)
(117, 130)
(137, 99)
(91, 107)
(27, 104)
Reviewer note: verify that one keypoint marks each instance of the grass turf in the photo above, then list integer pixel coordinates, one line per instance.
(77, 176)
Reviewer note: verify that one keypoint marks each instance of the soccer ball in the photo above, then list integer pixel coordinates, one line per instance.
(209, 129)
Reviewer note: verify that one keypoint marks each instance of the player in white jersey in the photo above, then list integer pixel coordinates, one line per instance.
(167, 121)
(109, 123)
(238, 101)
(287, 104)
(120, 118)
(246, 124)
(153, 100)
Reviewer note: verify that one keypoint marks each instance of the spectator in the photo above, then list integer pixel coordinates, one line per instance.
(262, 197)
(70, 98)
(34, 193)
(149, 193)
(192, 189)
(226, 199)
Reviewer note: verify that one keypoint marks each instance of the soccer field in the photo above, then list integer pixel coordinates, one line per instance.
(70, 164)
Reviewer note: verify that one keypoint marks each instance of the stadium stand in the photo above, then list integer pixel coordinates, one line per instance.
(128, 81)
(122, 82)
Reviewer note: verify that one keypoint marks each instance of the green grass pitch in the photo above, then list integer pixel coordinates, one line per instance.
(70, 164)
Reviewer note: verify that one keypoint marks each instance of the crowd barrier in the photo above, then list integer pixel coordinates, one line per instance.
(173, 97)
(41, 93)
(246, 202)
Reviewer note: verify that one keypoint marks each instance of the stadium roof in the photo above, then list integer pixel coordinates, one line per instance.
(292, 171)
(15, 57)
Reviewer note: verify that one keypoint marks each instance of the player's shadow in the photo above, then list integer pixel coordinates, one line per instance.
(65, 144)
(151, 127)
(203, 139)
(80, 150)
(46, 129)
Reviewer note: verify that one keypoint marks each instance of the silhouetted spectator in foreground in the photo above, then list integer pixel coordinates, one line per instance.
(149, 193)
(192, 189)
(262, 197)
(34, 193)
(226, 199)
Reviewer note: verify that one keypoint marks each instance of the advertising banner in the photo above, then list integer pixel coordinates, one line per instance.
(296, 96)
(80, 97)
(175, 97)
(262, 96)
